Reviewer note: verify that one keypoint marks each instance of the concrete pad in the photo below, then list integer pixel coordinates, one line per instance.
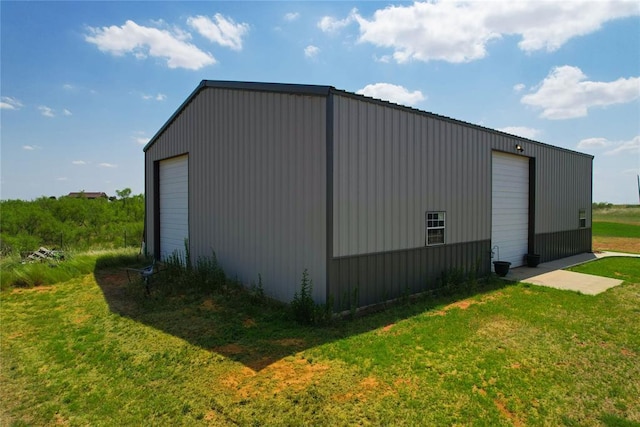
(552, 274)
(572, 281)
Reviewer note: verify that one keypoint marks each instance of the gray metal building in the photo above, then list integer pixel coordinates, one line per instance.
(363, 193)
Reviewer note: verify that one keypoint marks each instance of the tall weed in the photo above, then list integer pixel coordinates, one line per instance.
(26, 275)
(304, 308)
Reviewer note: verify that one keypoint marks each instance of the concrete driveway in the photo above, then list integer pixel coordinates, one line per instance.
(552, 274)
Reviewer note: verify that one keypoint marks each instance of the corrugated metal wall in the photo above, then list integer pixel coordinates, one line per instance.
(563, 187)
(363, 280)
(257, 179)
(392, 164)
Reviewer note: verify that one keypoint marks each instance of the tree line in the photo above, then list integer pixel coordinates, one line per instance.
(76, 223)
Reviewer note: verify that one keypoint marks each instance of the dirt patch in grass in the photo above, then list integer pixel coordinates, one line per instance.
(209, 305)
(479, 390)
(249, 323)
(285, 374)
(368, 388)
(617, 244)
(296, 375)
(230, 349)
(466, 303)
(388, 327)
(38, 289)
(369, 383)
(437, 313)
(462, 305)
(502, 407)
(236, 379)
(290, 342)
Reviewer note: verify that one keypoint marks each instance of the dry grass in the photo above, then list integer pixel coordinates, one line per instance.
(616, 244)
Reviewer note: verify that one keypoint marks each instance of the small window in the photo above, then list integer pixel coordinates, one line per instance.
(435, 228)
(582, 218)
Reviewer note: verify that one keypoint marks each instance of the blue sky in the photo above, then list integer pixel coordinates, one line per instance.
(86, 84)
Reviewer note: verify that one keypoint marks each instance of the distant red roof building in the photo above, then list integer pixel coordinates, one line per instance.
(89, 194)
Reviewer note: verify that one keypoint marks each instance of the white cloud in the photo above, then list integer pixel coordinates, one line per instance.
(144, 41)
(393, 93)
(68, 86)
(29, 147)
(67, 112)
(62, 178)
(329, 24)
(593, 143)
(291, 16)
(565, 93)
(107, 165)
(79, 162)
(522, 131)
(311, 51)
(9, 103)
(384, 58)
(46, 111)
(158, 97)
(223, 31)
(633, 147)
(459, 31)
(519, 87)
(142, 140)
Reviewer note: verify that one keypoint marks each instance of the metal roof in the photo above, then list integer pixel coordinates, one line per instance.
(323, 90)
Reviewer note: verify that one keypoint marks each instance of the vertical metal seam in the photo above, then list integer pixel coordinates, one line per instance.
(329, 192)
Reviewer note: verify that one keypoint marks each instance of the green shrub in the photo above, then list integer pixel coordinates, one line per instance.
(303, 305)
(179, 274)
(601, 205)
(71, 223)
(304, 308)
(256, 292)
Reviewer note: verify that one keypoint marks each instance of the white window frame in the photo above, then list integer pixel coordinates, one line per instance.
(582, 218)
(435, 220)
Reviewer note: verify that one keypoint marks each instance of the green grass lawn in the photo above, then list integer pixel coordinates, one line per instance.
(627, 269)
(95, 351)
(616, 229)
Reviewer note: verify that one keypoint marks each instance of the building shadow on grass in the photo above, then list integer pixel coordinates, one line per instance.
(233, 324)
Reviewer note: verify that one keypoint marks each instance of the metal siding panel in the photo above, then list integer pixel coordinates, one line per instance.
(561, 244)
(563, 186)
(391, 166)
(388, 275)
(257, 183)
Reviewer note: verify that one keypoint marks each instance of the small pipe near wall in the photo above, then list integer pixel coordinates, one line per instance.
(493, 252)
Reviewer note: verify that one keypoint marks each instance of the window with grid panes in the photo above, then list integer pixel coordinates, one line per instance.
(435, 228)
(582, 218)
